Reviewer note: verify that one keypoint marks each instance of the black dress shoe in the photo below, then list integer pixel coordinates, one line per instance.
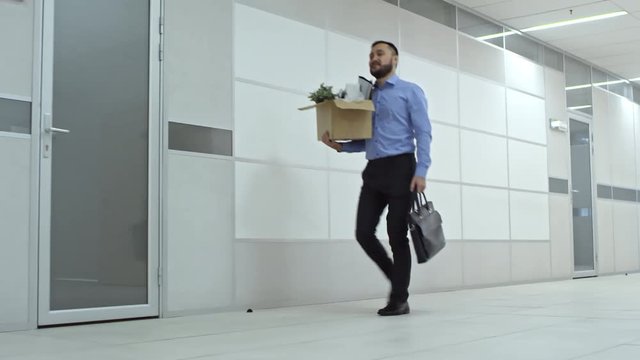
(393, 309)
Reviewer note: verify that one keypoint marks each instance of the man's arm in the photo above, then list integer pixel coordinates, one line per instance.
(421, 126)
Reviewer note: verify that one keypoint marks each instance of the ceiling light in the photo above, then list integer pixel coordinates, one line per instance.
(611, 82)
(578, 87)
(575, 21)
(494, 36)
(579, 107)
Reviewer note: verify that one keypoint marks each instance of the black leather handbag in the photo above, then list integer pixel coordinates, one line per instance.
(425, 227)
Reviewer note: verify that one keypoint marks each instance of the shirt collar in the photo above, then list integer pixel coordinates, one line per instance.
(391, 81)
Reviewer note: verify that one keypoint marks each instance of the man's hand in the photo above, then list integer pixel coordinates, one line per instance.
(330, 143)
(418, 184)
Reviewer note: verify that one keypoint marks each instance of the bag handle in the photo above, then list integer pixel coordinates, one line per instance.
(419, 200)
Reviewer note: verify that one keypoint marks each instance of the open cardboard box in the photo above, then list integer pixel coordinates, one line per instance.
(344, 120)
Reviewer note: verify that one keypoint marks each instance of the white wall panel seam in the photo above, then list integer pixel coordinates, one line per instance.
(458, 80)
(501, 136)
(525, 92)
(482, 79)
(234, 250)
(273, 87)
(506, 112)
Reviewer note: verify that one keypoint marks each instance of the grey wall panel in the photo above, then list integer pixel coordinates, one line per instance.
(200, 139)
(604, 191)
(559, 186)
(624, 194)
(15, 116)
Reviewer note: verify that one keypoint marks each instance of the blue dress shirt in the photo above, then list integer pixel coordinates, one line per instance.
(400, 116)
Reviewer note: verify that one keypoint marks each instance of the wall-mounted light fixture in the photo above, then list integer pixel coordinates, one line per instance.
(558, 125)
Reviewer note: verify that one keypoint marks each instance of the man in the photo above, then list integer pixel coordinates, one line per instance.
(392, 172)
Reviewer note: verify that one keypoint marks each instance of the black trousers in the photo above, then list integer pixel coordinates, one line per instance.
(386, 182)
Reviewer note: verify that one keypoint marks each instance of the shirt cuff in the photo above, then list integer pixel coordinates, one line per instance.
(421, 170)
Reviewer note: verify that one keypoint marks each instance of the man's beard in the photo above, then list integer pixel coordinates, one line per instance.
(382, 71)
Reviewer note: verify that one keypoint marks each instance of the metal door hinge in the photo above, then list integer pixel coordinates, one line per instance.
(159, 277)
(161, 25)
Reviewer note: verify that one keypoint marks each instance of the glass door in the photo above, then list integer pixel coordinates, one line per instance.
(582, 198)
(99, 161)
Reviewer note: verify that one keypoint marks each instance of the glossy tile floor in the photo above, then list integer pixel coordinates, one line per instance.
(588, 319)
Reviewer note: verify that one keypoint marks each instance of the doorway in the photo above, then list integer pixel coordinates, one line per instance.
(99, 161)
(584, 256)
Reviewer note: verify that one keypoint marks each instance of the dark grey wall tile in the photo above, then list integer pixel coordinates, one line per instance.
(559, 186)
(200, 139)
(624, 194)
(604, 191)
(15, 116)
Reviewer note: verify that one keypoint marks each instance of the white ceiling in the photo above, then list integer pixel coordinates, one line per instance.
(612, 44)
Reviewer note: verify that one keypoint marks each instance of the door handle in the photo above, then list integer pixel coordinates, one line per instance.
(51, 130)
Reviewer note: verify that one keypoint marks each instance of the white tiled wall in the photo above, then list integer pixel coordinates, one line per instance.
(605, 244)
(636, 122)
(198, 80)
(484, 159)
(199, 265)
(274, 224)
(485, 213)
(526, 117)
(486, 263)
(346, 60)
(622, 140)
(14, 230)
(559, 157)
(524, 75)
(481, 59)
(294, 200)
(601, 137)
(276, 202)
(625, 235)
(530, 261)
(560, 236)
(445, 152)
(439, 47)
(281, 134)
(482, 105)
(275, 53)
(16, 37)
(528, 166)
(439, 83)
(444, 271)
(343, 198)
(446, 199)
(529, 216)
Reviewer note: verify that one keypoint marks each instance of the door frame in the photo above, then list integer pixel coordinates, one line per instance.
(43, 72)
(588, 120)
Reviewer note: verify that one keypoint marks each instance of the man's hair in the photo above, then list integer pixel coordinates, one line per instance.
(393, 47)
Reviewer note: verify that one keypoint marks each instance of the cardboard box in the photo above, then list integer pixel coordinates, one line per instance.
(344, 120)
